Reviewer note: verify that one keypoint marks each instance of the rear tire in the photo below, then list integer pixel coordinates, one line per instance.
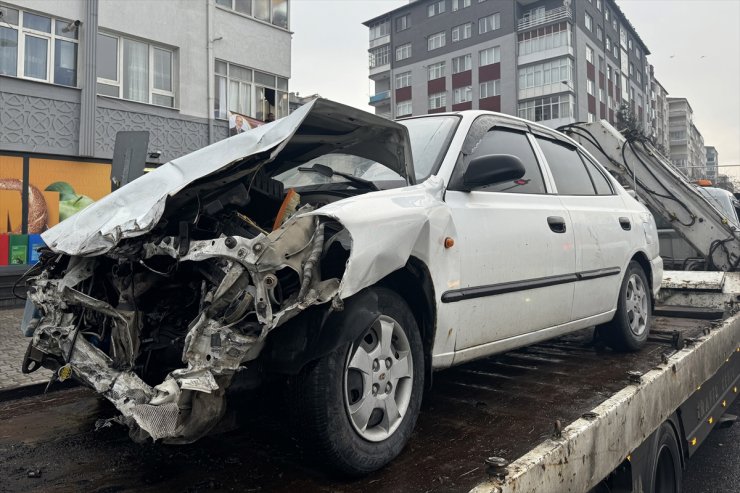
(356, 407)
(629, 329)
(666, 472)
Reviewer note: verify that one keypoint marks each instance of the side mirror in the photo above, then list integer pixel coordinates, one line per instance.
(492, 169)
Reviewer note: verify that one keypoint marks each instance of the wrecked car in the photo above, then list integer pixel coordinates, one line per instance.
(316, 247)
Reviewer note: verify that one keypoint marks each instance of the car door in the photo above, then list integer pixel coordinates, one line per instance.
(516, 248)
(601, 224)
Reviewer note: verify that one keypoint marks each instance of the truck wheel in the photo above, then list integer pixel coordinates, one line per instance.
(358, 405)
(666, 474)
(629, 329)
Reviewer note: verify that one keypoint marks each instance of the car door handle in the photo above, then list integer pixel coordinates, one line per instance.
(556, 223)
(625, 223)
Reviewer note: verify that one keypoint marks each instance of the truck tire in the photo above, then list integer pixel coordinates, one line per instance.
(666, 472)
(629, 329)
(356, 407)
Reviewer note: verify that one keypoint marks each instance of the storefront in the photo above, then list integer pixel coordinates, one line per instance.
(37, 192)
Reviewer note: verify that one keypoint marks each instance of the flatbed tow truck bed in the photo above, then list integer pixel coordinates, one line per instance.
(565, 413)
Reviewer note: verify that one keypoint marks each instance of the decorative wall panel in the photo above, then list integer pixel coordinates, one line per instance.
(173, 137)
(35, 124)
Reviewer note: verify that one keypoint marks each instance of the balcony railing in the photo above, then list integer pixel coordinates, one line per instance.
(381, 96)
(553, 15)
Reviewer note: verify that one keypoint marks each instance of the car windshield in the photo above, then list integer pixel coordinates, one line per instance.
(430, 137)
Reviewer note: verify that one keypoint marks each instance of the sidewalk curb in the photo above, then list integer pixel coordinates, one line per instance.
(33, 390)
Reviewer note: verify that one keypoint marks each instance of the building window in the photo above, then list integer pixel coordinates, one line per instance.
(615, 50)
(436, 71)
(547, 108)
(637, 53)
(632, 69)
(462, 95)
(639, 77)
(438, 100)
(462, 63)
(544, 38)
(380, 29)
(135, 70)
(489, 89)
(598, 4)
(38, 47)
(607, 14)
(599, 33)
(601, 95)
(590, 87)
(403, 52)
(403, 23)
(436, 8)
(591, 118)
(380, 56)
(403, 108)
(403, 80)
(436, 41)
(237, 87)
(589, 54)
(608, 44)
(552, 72)
(272, 11)
(489, 23)
(629, 44)
(489, 56)
(460, 4)
(589, 22)
(463, 31)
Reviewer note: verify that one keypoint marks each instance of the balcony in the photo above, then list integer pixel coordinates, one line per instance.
(554, 15)
(380, 98)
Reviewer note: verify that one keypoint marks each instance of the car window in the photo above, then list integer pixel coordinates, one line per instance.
(597, 177)
(505, 141)
(571, 177)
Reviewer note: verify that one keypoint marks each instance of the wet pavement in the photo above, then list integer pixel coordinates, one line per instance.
(12, 348)
(500, 406)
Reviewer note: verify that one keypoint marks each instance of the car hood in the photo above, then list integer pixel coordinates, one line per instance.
(316, 128)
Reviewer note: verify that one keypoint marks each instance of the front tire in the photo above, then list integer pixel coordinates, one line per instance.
(629, 329)
(357, 406)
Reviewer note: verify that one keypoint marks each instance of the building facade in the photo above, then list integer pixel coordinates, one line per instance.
(659, 114)
(551, 61)
(687, 143)
(74, 73)
(712, 163)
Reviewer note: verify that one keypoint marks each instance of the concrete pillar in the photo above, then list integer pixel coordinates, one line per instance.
(88, 79)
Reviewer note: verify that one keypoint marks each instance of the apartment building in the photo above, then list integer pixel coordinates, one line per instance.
(73, 73)
(659, 114)
(687, 143)
(712, 163)
(551, 61)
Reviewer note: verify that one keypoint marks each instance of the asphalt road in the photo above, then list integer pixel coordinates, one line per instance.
(716, 466)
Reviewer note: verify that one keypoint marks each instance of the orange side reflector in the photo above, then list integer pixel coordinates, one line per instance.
(449, 242)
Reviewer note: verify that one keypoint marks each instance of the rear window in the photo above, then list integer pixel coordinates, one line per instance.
(571, 177)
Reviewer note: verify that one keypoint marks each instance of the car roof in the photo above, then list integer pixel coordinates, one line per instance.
(505, 118)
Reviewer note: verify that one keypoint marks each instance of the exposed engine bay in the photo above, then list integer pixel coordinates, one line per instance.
(158, 307)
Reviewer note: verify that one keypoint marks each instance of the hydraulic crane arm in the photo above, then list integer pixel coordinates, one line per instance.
(665, 190)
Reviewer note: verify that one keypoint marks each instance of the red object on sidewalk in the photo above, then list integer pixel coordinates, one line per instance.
(4, 249)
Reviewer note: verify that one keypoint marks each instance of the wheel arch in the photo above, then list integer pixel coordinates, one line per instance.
(413, 282)
(641, 258)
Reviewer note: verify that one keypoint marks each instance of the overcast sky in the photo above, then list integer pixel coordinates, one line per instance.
(695, 46)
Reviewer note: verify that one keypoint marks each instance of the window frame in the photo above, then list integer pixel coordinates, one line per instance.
(495, 23)
(280, 87)
(437, 97)
(402, 76)
(398, 105)
(174, 79)
(51, 37)
(442, 70)
(495, 55)
(467, 63)
(406, 47)
(439, 39)
(495, 89)
(251, 15)
(462, 94)
(546, 163)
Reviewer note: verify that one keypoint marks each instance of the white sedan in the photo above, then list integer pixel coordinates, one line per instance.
(316, 248)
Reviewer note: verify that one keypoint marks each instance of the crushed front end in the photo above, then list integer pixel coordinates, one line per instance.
(160, 325)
